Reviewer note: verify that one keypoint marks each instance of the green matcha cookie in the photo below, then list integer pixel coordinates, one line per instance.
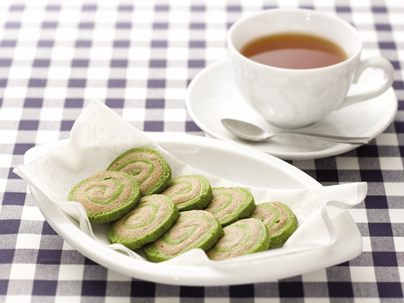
(147, 166)
(106, 196)
(193, 229)
(147, 222)
(189, 192)
(243, 237)
(231, 204)
(278, 218)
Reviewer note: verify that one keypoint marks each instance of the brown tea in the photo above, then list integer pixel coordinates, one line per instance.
(294, 51)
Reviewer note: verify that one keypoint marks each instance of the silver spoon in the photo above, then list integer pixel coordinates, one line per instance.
(247, 131)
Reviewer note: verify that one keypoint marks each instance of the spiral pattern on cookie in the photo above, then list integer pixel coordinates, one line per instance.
(243, 237)
(279, 219)
(193, 229)
(147, 222)
(106, 196)
(147, 166)
(231, 204)
(189, 192)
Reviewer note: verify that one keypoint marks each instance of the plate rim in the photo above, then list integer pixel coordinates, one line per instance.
(336, 149)
(184, 275)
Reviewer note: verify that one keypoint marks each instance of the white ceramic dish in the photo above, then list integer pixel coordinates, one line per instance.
(206, 154)
(212, 96)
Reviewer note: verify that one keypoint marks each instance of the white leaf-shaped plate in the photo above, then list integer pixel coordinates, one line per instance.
(232, 162)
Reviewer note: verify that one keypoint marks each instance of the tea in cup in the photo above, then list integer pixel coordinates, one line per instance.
(296, 66)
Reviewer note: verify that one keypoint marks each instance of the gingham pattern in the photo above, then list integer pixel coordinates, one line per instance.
(139, 57)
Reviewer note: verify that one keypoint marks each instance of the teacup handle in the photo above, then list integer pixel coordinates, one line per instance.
(379, 62)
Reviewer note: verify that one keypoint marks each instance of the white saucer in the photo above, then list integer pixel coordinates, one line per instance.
(212, 96)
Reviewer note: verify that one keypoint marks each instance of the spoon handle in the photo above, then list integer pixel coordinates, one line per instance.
(339, 139)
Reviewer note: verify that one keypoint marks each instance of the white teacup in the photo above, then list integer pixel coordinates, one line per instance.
(293, 98)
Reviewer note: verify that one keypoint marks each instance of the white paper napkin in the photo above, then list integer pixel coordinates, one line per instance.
(99, 135)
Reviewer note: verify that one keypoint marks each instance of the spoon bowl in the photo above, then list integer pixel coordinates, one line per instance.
(251, 132)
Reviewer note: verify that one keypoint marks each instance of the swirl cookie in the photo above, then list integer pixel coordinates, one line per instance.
(278, 218)
(193, 229)
(243, 237)
(147, 166)
(147, 222)
(189, 192)
(106, 196)
(231, 204)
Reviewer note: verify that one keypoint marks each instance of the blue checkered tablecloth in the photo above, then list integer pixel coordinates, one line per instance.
(139, 57)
